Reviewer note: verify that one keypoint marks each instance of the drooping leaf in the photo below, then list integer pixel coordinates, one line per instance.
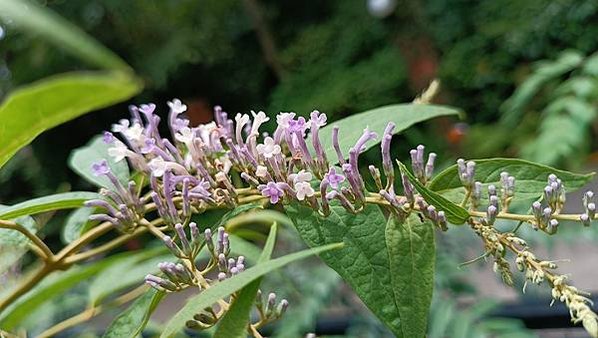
(32, 109)
(403, 115)
(363, 262)
(131, 322)
(412, 251)
(77, 223)
(13, 244)
(530, 178)
(30, 16)
(66, 200)
(53, 286)
(125, 273)
(83, 158)
(454, 213)
(235, 321)
(220, 290)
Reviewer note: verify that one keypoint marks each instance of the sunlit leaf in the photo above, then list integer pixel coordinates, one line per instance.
(30, 110)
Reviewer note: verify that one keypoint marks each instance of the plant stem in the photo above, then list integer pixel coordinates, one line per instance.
(91, 312)
(46, 253)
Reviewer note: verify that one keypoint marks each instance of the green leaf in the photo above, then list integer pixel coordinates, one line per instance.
(530, 178)
(77, 224)
(125, 273)
(403, 115)
(29, 16)
(546, 71)
(363, 262)
(220, 290)
(454, 213)
(32, 109)
(13, 244)
(96, 150)
(66, 200)
(131, 322)
(235, 321)
(53, 286)
(412, 252)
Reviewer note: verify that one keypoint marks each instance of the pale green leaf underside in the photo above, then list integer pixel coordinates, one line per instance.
(96, 150)
(233, 284)
(403, 115)
(363, 262)
(34, 108)
(77, 223)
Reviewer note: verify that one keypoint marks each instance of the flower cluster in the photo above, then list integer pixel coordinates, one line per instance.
(191, 173)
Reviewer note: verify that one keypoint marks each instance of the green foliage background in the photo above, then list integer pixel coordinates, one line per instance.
(334, 56)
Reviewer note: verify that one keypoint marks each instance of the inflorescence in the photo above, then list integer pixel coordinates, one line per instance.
(195, 170)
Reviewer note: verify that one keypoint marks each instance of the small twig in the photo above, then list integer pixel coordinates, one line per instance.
(92, 312)
(471, 261)
(44, 252)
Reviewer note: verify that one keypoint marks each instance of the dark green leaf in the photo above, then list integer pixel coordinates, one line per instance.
(235, 321)
(77, 224)
(412, 251)
(32, 109)
(220, 290)
(30, 16)
(530, 178)
(131, 322)
(66, 200)
(454, 213)
(364, 260)
(403, 115)
(96, 150)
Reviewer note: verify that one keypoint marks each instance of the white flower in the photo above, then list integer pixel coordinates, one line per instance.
(134, 133)
(303, 189)
(261, 171)
(241, 119)
(283, 119)
(205, 132)
(269, 148)
(121, 127)
(258, 119)
(301, 177)
(118, 151)
(158, 166)
(185, 135)
(177, 107)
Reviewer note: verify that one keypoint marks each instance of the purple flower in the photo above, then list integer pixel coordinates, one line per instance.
(272, 190)
(298, 125)
(108, 137)
(100, 168)
(333, 178)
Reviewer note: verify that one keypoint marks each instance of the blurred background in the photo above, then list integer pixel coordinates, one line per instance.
(524, 73)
